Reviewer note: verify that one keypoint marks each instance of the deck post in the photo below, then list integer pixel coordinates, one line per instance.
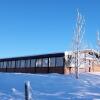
(28, 91)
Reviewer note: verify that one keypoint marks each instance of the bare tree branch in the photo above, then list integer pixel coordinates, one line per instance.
(77, 40)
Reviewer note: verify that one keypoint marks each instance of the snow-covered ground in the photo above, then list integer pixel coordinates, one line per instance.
(51, 86)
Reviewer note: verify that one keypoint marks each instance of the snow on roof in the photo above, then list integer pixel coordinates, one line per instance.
(82, 51)
(68, 52)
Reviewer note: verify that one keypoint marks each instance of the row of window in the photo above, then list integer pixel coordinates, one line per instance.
(44, 62)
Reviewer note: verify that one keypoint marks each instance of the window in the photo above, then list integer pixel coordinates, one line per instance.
(1, 64)
(28, 63)
(22, 63)
(52, 62)
(4, 65)
(59, 61)
(9, 64)
(18, 63)
(45, 62)
(38, 62)
(33, 62)
(13, 64)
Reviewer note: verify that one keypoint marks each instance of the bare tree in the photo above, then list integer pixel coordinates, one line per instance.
(98, 43)
(77, 41)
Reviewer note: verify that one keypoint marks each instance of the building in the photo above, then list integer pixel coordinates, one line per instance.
(63, 63)
(46, 63)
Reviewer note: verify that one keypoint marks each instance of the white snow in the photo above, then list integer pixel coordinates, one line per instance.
(51, 86)
(95, 73)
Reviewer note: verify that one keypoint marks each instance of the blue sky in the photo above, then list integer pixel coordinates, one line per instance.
(29, 27)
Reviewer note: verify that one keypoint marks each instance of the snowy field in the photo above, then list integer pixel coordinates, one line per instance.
(51, 86)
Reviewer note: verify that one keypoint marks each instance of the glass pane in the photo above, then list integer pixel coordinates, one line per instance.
(9, 64)
(59, 61)
(28, 63)
(45, 62)
(1, 64)
(4, 65)
(33, 62)
(22, 63)
(38, 63)
(13, 64)
(18, 63)
(52, 62)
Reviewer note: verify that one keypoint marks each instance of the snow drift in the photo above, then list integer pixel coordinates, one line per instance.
(51, 86)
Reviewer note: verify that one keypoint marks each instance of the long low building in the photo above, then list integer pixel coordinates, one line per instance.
(46, 63)
(63, 63)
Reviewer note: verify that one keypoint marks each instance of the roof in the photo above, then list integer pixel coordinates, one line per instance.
(60, 54)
